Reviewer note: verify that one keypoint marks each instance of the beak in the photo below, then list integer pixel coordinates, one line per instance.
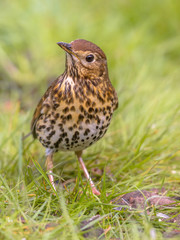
(67, 48)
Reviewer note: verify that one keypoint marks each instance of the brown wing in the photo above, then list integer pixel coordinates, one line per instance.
(40, 109)
(115, 100)
(112, 94)
(45, 103)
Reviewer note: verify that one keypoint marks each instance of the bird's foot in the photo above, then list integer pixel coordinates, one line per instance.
(95, 191)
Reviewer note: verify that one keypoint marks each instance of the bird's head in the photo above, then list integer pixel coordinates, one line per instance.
(85, 59)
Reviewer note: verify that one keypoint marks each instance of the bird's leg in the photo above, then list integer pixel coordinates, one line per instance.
(94, 190)
(49, 166)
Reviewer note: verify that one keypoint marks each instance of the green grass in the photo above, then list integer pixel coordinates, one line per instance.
(141, 149)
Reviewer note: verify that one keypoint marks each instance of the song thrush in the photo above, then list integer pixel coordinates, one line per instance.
(76, 109)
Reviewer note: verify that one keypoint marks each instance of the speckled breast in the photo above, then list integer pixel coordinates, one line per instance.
(74, 127)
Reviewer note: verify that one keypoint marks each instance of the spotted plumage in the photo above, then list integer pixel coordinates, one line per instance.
(76, 109)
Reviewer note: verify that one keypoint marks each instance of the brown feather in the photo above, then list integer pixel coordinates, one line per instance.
(84, 45)
(43, 106)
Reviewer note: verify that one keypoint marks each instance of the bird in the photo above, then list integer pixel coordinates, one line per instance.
(77, 108)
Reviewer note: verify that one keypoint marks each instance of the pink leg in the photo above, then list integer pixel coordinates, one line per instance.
(94, 190)
(49, 166)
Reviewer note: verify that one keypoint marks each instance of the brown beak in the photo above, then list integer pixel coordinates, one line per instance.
(65, 46)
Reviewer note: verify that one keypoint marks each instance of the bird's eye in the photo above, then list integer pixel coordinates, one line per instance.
(90, 58)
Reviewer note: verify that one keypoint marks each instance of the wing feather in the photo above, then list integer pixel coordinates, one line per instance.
(44, 105)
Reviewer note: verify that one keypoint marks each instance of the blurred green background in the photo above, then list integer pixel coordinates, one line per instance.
(142, 42)
(132, 34)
